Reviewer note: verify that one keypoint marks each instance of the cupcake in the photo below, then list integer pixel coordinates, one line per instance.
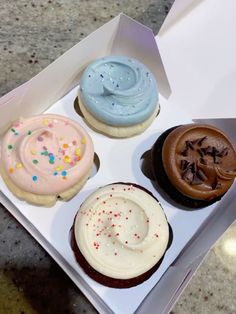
(45, 157)
(118, 96)
(120, 235)
(194, 164)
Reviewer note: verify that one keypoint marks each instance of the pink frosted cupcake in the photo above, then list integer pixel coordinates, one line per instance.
(46, 157)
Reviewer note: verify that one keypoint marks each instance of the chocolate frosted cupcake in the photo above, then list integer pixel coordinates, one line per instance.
(195, 164)
(120, 235)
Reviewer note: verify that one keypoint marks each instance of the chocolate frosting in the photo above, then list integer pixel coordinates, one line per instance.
(199, 160)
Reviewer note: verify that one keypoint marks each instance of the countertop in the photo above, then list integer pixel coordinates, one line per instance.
(32, 35)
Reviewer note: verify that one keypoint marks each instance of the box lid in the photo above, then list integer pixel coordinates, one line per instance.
(198, 48)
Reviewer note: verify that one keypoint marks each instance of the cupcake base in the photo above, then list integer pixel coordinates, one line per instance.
(116, 131)
(163, 182)
(43, 200)
(113, 282)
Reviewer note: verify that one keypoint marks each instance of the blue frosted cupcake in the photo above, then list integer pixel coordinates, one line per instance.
(118, 96)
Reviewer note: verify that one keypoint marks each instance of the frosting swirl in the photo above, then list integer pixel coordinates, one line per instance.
(121, 231)
(46, 154)
(119, 91)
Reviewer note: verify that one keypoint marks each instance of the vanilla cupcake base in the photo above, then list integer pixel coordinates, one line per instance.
(43, 200)
(116, 131)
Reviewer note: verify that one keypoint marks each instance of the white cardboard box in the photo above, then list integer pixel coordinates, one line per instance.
(186, 54)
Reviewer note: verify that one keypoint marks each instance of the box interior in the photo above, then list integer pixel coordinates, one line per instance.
(38, 95)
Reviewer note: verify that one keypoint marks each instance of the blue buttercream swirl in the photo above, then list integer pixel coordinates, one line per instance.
(119, 91)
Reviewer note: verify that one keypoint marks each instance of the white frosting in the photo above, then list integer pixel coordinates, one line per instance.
(121, 231)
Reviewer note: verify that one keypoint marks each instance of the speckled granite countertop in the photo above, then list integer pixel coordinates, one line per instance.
(32, 35)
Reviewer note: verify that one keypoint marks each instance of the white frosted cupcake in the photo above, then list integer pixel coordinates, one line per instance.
(120, 235)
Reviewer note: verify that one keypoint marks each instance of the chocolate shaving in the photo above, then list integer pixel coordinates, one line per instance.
(200, 152)
(193, 167)
(224, 152)
(217, 160)
(196, 180)
(216, 185)
(215, 151)
(184, 164)
(189, 144)
(201, 175)
(192, 175)
(203, 150)
(208, 150)
(185, 152)
(203, 161)
(187, 175)
(201, 140)
(194, 142)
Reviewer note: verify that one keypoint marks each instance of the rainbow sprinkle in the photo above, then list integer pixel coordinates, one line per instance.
(14, 131)
(19, 165)
(67, 159)
(34, 178)
(11, 170)
(64, 173)
(45, 122)
(45, 153)
(77, 152)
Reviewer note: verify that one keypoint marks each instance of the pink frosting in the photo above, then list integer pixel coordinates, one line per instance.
(46, 154)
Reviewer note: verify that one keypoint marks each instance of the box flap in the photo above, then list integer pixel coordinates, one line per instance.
(136, 40)
(58, 78)
(198, 49)
(175, 279)
(178, 10)
(218, 222)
